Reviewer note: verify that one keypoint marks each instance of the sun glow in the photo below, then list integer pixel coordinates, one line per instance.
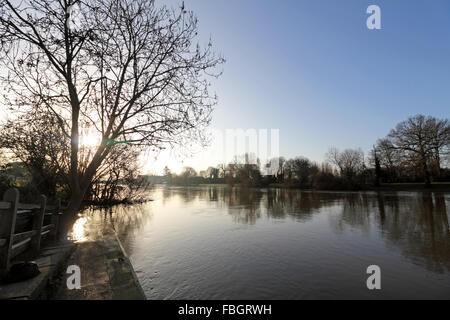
(78, 230)
(90, 139)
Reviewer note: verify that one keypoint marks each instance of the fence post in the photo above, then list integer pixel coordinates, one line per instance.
(55, 220)
(38, 220)
(7, 227)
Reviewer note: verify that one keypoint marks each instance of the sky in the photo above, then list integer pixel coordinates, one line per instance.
(314, 71)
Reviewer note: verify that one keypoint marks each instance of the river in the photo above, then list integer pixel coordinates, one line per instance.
(213, 242)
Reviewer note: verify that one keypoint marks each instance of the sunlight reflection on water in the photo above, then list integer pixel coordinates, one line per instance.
(79, 231)
(235, 243)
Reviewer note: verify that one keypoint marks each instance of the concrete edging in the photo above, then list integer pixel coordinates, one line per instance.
(127, 260)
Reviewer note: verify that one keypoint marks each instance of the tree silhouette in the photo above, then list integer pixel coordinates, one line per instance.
(129, 70)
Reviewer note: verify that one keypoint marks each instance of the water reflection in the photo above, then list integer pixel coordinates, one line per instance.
(126, 221)
(417, 223)
(234, 243)
(78, 231)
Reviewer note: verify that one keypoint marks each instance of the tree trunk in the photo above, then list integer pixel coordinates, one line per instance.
(438, 163)
(377, 172)
(426, 173)
(78, 193)
(70, 214)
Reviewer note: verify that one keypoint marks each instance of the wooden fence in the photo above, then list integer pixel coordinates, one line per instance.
(24, 226)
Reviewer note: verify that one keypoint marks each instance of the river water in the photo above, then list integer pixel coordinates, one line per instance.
(212, 242)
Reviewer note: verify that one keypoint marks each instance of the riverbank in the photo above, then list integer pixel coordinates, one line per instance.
(106, 272)
(435, 187)
(51, 263)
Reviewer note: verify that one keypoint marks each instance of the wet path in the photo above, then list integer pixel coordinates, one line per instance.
(106, 273)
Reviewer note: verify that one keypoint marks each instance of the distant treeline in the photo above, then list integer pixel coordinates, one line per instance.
(416, 150)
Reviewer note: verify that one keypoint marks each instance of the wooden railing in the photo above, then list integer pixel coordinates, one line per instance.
(24, 226)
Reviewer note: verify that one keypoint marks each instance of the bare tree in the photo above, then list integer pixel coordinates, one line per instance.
(389, 157)
(423, 140)
(212, 173)
(222, 170)
(186, 177)
(350, 162)
(189, 172)
(440, 139)
(127, 69)
(300, 169)
(117, 179)
(42, 148)
(390, 162)
(377, 166)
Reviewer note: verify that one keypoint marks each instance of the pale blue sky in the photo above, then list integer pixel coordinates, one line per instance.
(314, 70)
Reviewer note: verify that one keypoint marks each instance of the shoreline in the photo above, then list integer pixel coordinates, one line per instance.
(52, 265)
(419, 187)
(106, 272)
